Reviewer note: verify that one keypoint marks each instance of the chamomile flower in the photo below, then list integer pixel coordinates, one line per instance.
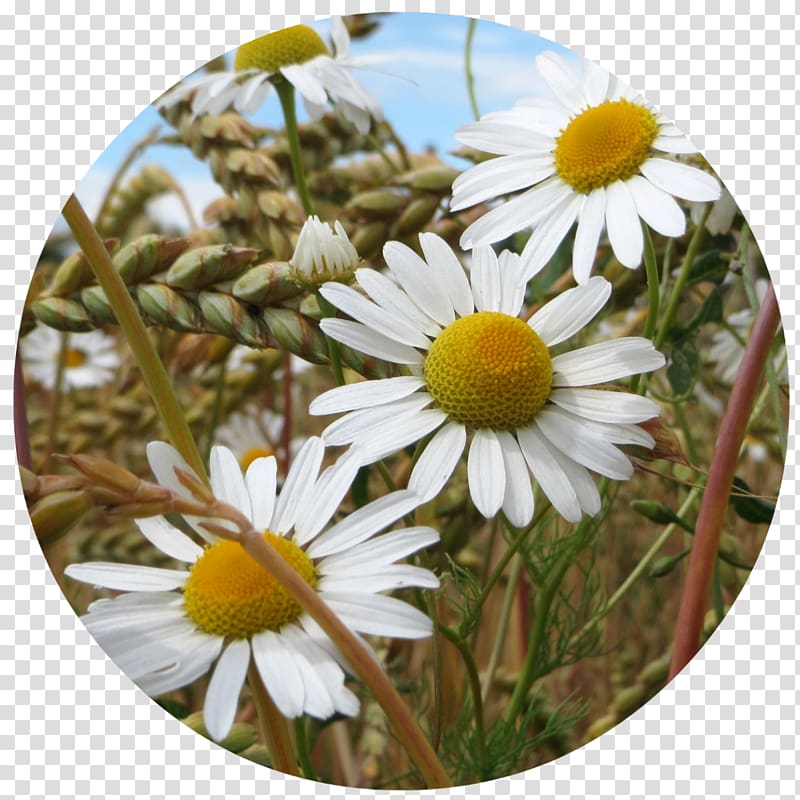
(323, 253)
(477, 368)
(297, 54)
(255, 433)
(91, 359)
(594, 153)
(171, 626)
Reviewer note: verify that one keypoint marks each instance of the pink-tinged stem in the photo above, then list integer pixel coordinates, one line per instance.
(715, 499)
(21, 435)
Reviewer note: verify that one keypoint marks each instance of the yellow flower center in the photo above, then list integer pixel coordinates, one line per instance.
(229, 594)
(74, 358)
(489, 370)
(249, 456)
(269, 53)
(605, 143)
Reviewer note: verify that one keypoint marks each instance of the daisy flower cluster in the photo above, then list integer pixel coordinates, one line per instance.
(485, 373)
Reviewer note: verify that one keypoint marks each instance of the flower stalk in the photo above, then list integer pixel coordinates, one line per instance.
(153, 372)
(286, 96)
(715, 500)
(272, 726)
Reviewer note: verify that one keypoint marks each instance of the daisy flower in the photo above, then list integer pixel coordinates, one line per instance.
(91, 358)
(477, 367)
(594, 153)
(323, 253)
(172, 626)
(297, 54)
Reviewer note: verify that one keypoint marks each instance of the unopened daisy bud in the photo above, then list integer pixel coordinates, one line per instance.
(55, 514)
(323, 254)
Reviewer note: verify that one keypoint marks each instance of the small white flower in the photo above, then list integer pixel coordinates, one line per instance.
(172, 625)
(299, 55)
(91, 358)
(255, 433)
(592, 154)
(477, 367)
(322, 253)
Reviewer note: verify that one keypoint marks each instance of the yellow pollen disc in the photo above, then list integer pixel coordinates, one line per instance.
(74, 358)
(229, 594)
(249, 456)
(605, 143)
(269, 53)
(489, 370)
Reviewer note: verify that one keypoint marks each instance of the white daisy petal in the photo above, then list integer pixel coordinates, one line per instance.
(499, 176)
(561, 77)
(518, 496)
(379, 615)
(261, 480)
(305, 83)
(591, 221)
(380, 551)
(275, 664)
(544, 241)
(499, 138)
(485, 279)
(252, 93)
(340, 37)
(416, 278)
(163, 458)
(673, 144)
(190, 665)
(623, 226)
(613, 433)
(438, 460)
(486, 472)
(605, 406)
(365, 394)
(408, 430)
(362, 310)
(389, 296)
(363, 523)
(370, 342)
(658, 209)
(596, 82)
(512, 286)
(362, 424)
(570, 311)
(681, 180)
(606, 361)
(581, 481)
(302, 475)
(222, 695)
(327, 494)
(168, 539)
(548, 473)
(380, 579)
(594, 454)
(127, 577)
(227, 481)
(516, 214)
(443, 261)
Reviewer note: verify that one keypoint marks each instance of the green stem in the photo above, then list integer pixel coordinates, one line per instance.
(216, 410)
(502, 628)
(153, 372)
(468, 69)
(303, 753)
(680, 282)
(273, 726)
(715, 500)
(286, 96)
(653, 298)
(536, 641)
(333, 346)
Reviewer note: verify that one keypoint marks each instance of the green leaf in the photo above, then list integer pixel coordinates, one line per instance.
(683, 367)
(708, 267)
(751, 509)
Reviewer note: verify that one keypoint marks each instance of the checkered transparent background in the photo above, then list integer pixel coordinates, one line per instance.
(74, 74)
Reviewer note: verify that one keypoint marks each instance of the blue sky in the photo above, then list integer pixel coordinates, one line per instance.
(425, 96)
